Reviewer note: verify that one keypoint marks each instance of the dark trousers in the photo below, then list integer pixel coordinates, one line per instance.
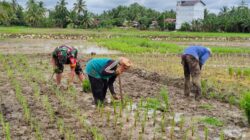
(191, 68)
(99, 88)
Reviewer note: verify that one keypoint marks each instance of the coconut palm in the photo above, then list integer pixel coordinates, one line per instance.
(79, 7)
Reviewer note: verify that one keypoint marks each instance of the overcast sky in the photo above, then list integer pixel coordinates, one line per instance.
(98, 6)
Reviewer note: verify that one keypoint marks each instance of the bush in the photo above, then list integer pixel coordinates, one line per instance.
(86, 85)
(245, 104)
(185, 27)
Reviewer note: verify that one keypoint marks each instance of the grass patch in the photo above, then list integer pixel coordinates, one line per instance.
(245, 104)
(117, 31)
(212, 121)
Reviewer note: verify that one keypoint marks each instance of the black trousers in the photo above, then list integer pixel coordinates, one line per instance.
(99, 88)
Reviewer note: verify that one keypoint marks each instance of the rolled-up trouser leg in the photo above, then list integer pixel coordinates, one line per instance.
(97, 86)
(197, 83)
(187, 76)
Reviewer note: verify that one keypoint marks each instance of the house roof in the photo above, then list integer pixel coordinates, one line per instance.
(190, 2)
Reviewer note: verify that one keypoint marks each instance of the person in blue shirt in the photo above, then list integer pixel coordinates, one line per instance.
(102, 73)
(193, 58)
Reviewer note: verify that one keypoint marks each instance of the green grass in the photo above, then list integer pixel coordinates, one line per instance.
(245, 105)
(118, 31)
(212, 121)
(143, 45)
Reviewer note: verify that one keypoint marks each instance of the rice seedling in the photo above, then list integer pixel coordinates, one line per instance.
(222, 135)
(60, 125)
(185, 137)
(162, 124)
(182, 122)
(230, 71)
(232, 101)
(120, 109)
(245, 105)
(108, 117)
(95, 134)
(69, 135)
(136, 117)
(164, 95)
(7, 131)
(48, 107)
(2, 120)
(206, 133)
(86, 85)
(172, 127)
(114, 106)
(154, 117)
(36, 91)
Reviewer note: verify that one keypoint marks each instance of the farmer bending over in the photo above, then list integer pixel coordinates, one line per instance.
(66, 55)
(102, 73)
(193, 58)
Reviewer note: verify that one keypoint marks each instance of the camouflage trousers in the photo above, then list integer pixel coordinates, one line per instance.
(192, 69)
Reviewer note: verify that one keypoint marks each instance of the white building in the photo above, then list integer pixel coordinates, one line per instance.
(189, 10)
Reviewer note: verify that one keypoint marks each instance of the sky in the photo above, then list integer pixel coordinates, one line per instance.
(98, 6)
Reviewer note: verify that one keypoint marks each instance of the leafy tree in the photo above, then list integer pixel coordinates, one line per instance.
(60, 14)
(35, 13)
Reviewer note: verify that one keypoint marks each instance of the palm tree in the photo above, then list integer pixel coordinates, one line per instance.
(88, 19)
(80, 7)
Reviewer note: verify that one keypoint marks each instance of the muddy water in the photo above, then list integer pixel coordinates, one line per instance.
(30, 46)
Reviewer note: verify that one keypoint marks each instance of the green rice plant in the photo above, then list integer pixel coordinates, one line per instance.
(60, 125)
(136, 117)
(154, 117)
(2, 120)
(232, 101)
(245, 105)
(115, 120)
(36, 91)
(185, 136)
(162, 124)
(131, 104)
(192, 127)
(206, 133)
(182, 122)
(212, 121)
(140, 136)
(164, 95)
(172, 127)
(86, 85)
(38, 134)
(108, 117)
(222, 135)
(69, 135)
(114, 106)
(231, 71)
(204, 87)
(239, 72)
(120, 108)
(95, 133)
(7, 131)
(48, 107)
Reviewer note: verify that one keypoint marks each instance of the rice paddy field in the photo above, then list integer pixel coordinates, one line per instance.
(154, 106)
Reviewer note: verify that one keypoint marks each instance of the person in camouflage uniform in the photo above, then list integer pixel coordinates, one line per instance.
(66, 55)
(193, 58)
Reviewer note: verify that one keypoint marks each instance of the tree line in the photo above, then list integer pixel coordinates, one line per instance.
(35, 14)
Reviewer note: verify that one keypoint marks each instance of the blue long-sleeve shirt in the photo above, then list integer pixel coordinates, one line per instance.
(199, 52)
(101, 68)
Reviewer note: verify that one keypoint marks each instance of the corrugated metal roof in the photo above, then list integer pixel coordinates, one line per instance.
(190, 3)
